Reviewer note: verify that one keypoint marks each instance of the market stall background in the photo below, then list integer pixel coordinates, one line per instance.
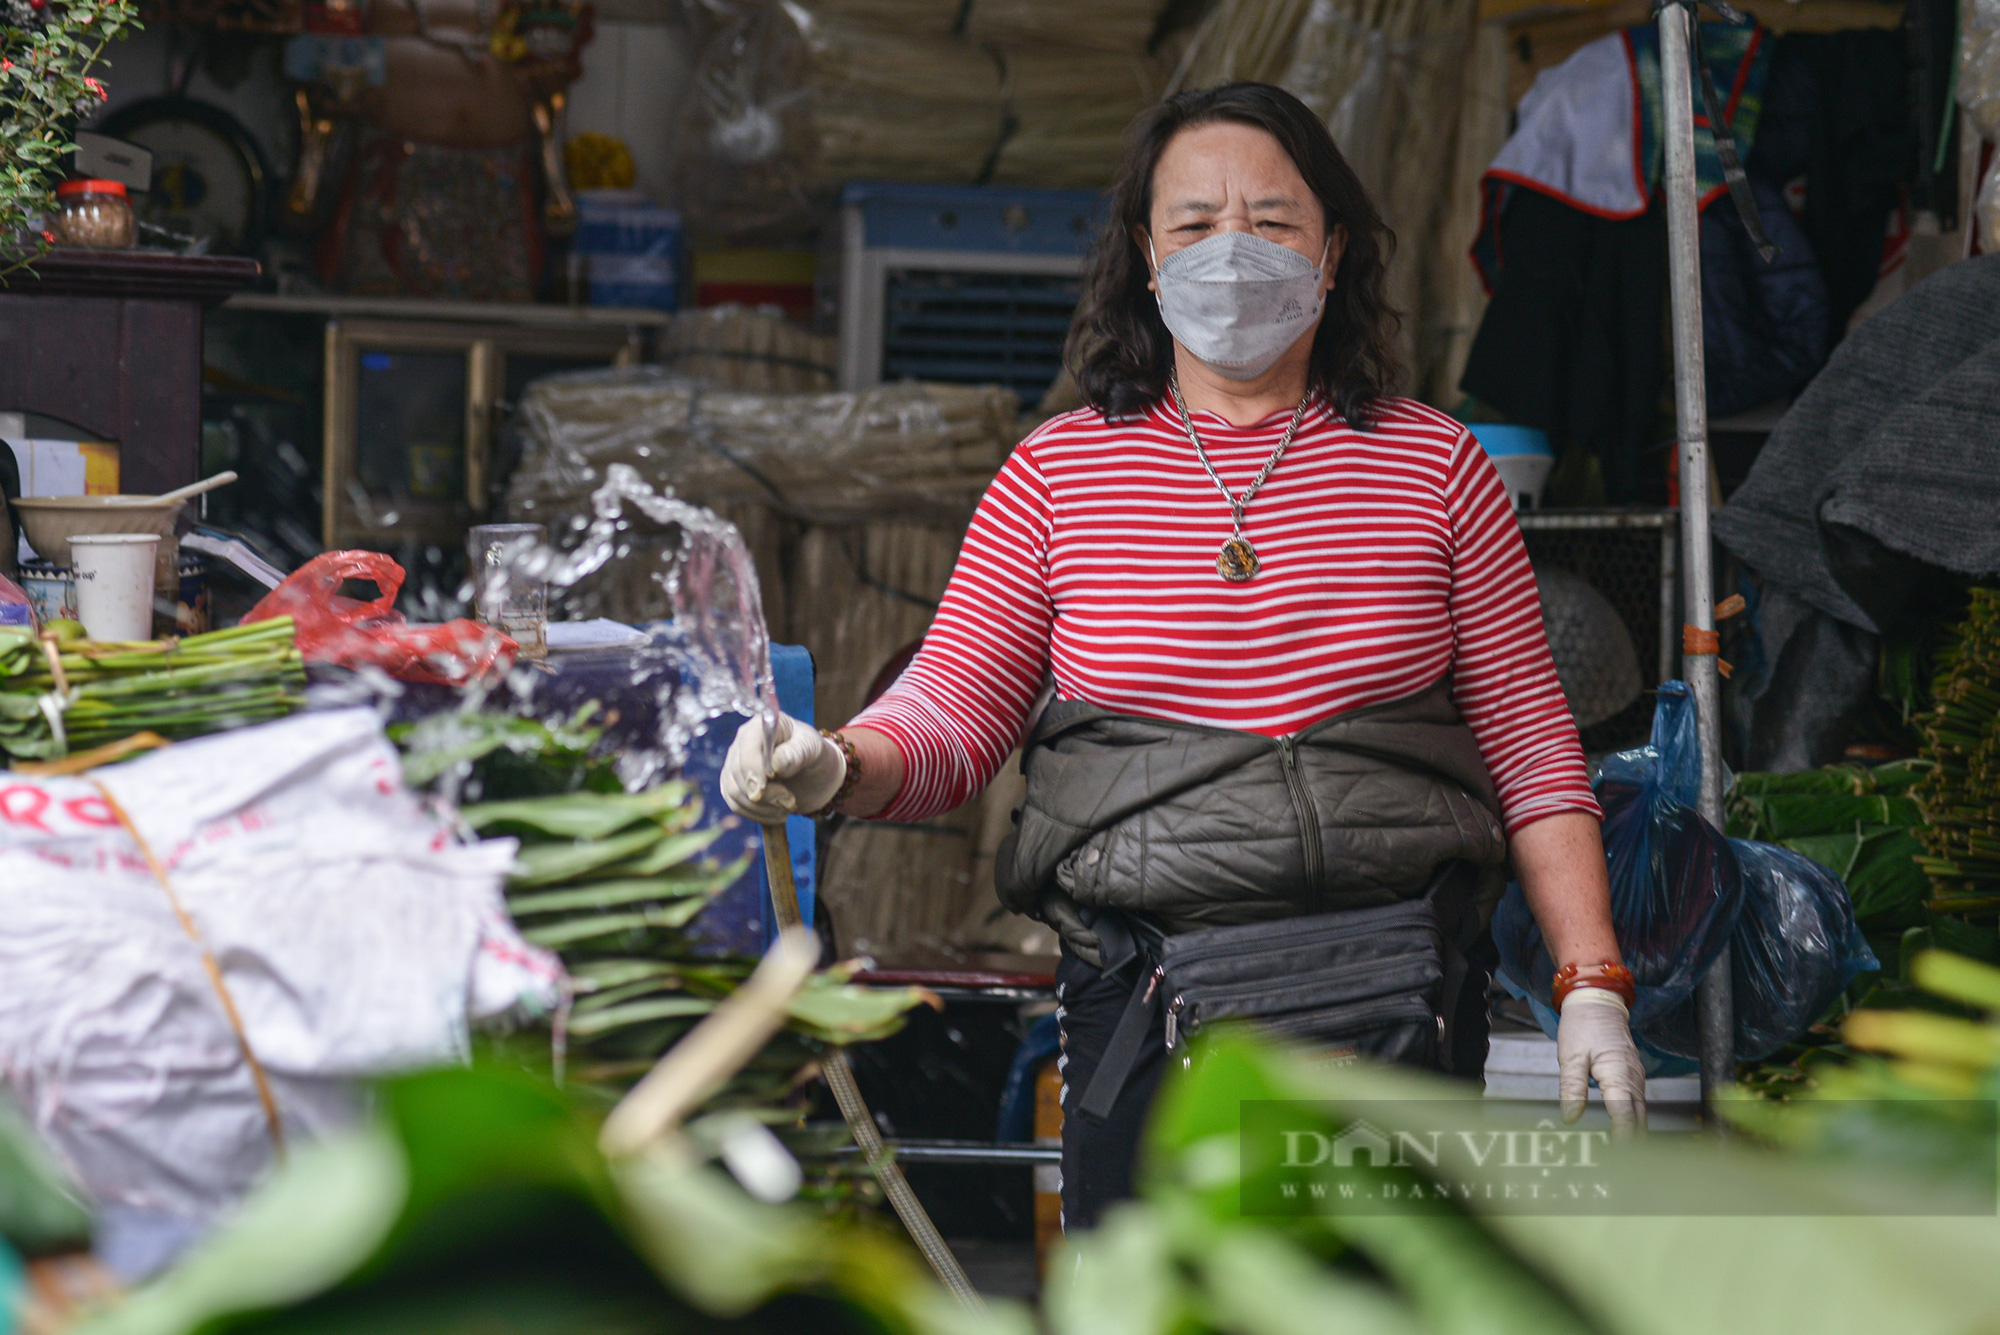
(810, 264)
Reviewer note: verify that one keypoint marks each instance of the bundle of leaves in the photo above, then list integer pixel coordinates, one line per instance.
(1866, 826)
(1857, 822)
(94, 693)
(611, 881)
(1960, 797)
(1921, 1088)
(479, 1202)
(481, 756)
(48, 49)
(1757, 1241)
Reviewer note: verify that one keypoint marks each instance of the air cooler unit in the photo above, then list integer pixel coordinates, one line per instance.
(972, 285)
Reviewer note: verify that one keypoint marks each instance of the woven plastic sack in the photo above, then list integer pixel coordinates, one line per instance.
(333, 628)
(355, 936)
(1676, 884)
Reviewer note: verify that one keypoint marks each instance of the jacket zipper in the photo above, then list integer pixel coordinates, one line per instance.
(1302, 804)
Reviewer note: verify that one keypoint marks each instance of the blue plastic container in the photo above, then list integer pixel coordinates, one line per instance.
(1502, 441)
(631, 249)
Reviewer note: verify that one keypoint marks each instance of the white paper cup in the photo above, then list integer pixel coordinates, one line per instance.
(114, 584)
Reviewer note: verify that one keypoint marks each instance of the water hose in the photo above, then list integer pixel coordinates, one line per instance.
(840, 1078)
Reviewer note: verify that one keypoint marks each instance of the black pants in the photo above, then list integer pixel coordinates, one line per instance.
(1098, 1157)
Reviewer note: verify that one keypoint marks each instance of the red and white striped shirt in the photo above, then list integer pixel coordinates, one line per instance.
(1389, 557)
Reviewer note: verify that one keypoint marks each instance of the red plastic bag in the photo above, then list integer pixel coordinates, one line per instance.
(330, 628)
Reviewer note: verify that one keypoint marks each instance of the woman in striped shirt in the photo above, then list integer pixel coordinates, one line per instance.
(1246, 531)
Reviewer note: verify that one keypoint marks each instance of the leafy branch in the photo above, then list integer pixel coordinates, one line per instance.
(47, 50)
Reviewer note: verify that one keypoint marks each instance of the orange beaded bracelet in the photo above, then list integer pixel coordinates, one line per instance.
(847, 785)
(1611, 976)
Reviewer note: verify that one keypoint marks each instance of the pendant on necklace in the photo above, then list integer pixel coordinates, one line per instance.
(1237, 561)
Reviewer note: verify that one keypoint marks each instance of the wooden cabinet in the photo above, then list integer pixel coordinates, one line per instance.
(110, 341)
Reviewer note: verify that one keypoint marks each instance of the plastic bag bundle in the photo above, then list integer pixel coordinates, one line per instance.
(912, 452)
(1979, 66)
(1979, 94)
(1679, 889)
(332, 628)
(1676, 887)
(787, 102)
(1795, 949)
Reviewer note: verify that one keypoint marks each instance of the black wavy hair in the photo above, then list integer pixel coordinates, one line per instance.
(1119, 350)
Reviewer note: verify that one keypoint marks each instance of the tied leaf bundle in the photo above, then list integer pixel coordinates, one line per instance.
(1857, 821)
(609, 881)
(1960, 797)
(106, 692)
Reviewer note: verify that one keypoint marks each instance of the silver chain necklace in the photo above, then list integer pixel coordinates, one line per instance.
(1237, 562)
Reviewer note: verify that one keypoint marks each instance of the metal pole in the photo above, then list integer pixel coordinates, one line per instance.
(1714, 1004)
(1670, 621)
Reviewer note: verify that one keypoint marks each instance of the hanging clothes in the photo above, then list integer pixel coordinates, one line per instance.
(1572, 247)
(1571, 341)
(1765, 326)
(1864, 153)
(1589, 132)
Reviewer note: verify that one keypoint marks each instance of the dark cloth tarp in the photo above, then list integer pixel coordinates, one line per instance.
(1889, 460)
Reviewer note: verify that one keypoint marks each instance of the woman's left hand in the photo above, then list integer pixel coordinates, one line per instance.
(1560, 862)
(1594, 1041)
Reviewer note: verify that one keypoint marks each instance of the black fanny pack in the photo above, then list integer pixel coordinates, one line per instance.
(1380, 983)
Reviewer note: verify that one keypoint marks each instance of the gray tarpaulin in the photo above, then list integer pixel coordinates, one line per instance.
(1891, 456)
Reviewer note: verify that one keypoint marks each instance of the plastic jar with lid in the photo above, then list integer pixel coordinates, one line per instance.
(94, 214)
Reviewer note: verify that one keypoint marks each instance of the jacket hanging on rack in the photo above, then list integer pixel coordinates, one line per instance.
(1572, 246)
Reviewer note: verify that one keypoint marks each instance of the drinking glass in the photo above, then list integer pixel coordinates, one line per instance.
(503, 597)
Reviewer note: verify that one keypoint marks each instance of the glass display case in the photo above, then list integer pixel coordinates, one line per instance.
(410, 417)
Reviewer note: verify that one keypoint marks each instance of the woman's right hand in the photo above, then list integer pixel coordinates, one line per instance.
(801, 775)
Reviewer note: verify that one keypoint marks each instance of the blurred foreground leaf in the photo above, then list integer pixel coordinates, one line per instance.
(479, 1204)
(40, 1208)
(1788, 1241)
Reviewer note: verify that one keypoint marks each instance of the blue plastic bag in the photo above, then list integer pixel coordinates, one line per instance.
(1676, 888)
(1679, 889)
(1795, 949)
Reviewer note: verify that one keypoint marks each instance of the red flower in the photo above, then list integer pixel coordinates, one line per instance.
(98, 88)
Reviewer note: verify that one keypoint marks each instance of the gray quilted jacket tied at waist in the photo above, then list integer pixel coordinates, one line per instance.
(1208, 827)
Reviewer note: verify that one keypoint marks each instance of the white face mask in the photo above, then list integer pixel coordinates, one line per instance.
(1237, 301)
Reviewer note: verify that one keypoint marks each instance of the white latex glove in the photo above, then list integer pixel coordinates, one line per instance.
(804, 772)
(1595, 1040)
